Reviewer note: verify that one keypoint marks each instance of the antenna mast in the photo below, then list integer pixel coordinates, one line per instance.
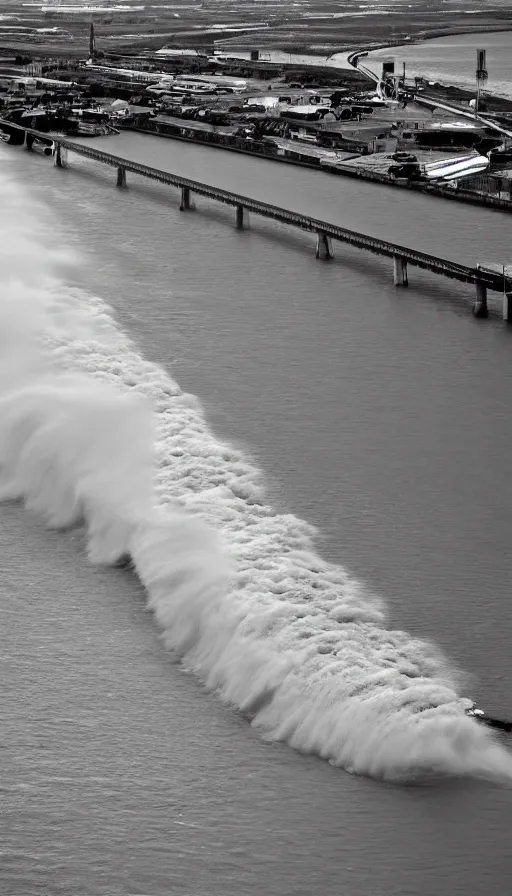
(481, 76)
(92, 43)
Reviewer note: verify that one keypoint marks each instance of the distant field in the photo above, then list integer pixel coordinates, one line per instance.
(318, 25)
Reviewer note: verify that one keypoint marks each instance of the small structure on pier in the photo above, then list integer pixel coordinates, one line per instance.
(480, 308)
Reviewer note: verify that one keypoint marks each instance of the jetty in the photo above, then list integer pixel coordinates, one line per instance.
(484, 278)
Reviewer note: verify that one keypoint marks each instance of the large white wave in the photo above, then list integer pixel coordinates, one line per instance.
(91, 432)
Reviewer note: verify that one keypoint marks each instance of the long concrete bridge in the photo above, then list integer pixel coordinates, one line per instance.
(496, 278)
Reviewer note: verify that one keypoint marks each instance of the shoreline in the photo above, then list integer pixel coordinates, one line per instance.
(399, 42)
(414, 41)
(417, 41)
(443, 83)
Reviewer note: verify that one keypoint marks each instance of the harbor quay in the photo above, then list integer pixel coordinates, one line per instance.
(348, 120)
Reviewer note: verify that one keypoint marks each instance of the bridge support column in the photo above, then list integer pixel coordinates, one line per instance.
(185, 199)
(507, 306)
(242, 217)
(28, 141)
(323, 246)
(480, 309)
(400, 277)
(60, 158)
(121, 176)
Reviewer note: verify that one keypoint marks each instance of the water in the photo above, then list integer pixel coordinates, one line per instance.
(452, 60)
(373, 416)
(409, 219)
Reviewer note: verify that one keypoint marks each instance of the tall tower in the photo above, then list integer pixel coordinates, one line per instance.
(92, 43)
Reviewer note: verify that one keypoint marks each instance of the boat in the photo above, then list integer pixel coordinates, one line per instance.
(91, 122)
(490, 721)
(13, 135)
(456, 167)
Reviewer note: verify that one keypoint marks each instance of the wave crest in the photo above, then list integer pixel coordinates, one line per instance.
(91, 432)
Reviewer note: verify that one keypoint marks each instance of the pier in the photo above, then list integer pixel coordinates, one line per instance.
(484, 278)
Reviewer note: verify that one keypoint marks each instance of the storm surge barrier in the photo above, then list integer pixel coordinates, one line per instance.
(493, 277)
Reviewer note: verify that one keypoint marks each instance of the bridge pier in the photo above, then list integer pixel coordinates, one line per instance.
(400, 277)
(242, 217)
(480, 308)
(60, 158)
(121, 176)
(495, 277)
(323, 246)
(507, 306)
(185, 199)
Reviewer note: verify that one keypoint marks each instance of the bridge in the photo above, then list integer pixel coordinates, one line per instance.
(495, 278)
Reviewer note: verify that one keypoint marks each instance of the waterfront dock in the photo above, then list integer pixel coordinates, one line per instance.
(486, 278)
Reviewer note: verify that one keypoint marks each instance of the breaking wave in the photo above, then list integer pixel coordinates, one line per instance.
(91, 433)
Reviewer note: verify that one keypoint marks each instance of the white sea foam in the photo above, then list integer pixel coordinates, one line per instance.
(90, 431)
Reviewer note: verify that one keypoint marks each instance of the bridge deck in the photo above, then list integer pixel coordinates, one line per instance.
(491, 277)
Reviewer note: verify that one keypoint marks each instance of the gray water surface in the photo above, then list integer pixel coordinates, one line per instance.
(381, 416)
